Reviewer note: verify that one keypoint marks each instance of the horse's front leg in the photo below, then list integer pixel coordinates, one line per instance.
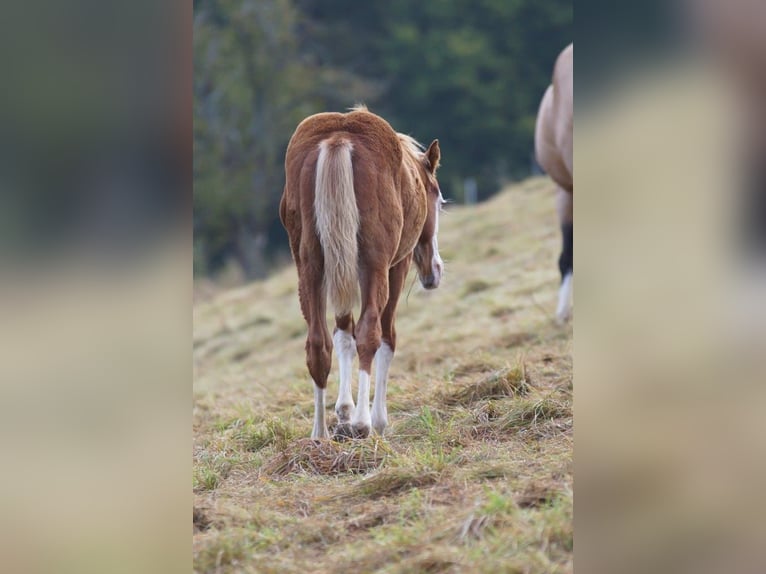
(385, 353)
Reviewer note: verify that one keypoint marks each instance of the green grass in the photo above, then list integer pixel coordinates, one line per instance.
(475, 471)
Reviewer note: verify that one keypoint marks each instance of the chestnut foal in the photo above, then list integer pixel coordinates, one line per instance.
(361, 202)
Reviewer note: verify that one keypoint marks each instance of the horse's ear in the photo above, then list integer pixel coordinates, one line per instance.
(433, 155)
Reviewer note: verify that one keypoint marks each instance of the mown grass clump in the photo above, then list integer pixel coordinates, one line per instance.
(498, 418)
(507, 382)
(256, 436)
(328, 457)
(395, 480)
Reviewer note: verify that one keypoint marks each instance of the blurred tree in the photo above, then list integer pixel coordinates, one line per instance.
(252, 86)
(469, 72)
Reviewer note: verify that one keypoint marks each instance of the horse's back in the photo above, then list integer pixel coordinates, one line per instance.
(364, 130)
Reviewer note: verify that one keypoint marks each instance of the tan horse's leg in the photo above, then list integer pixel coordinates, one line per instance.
(368, 332)
(345, 348)
(396, 277)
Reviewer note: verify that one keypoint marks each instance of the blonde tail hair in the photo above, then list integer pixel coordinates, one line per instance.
(337, 223)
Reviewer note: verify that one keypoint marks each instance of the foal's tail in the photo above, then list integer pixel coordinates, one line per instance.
(337, 223)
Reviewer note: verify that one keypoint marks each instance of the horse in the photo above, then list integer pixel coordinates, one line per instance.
(553, 150)
(361, 203)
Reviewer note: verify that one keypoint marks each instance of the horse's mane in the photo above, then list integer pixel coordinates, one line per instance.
(411, 146)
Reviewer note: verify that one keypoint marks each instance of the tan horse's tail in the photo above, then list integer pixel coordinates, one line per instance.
(337, 223)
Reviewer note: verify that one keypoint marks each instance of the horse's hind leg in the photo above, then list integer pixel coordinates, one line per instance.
(564, 204)
(368, 337)
(318, 342)
(396, 277)
(345, 348)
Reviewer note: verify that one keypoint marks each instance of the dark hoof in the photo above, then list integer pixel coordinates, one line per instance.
(361, 431)
(342, 432)
(345, 431)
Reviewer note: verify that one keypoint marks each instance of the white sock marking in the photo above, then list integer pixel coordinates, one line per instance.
(361, 414)
(345, 348)
(565, 295)
(379, 412)
(320, 426)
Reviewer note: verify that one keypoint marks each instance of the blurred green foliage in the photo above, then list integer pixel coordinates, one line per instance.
(469, 72)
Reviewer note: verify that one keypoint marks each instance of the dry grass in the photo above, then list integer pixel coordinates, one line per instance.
(507, 382)
(475, 472)
(393, 481)
(328, 457)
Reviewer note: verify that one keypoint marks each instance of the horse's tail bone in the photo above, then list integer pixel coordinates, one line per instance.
(337, 223)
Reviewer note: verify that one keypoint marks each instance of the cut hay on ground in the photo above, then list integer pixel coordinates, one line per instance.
(392, 481)
(507, 382)
(328, 457)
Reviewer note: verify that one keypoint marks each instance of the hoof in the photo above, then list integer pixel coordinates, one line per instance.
(345, 431)
(361, 430)
(342, 432)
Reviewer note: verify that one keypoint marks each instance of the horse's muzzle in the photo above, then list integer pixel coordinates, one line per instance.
(429, 282)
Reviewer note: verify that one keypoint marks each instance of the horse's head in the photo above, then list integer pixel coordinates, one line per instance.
(426, 255)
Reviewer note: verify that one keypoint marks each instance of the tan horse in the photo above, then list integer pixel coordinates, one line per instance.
(553, 148)
(361, 202)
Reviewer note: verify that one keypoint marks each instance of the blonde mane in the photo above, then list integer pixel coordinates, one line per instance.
(411, 146)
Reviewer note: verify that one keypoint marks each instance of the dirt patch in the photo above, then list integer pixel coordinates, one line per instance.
(431, 562)
(502, 312)
(200, 520)
(368, 521)
(536, 495)
(512, 340)
(476, 286)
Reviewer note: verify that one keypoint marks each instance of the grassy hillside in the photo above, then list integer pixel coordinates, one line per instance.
(475, 471)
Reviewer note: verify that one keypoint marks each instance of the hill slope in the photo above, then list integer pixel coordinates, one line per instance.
(475, 472)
